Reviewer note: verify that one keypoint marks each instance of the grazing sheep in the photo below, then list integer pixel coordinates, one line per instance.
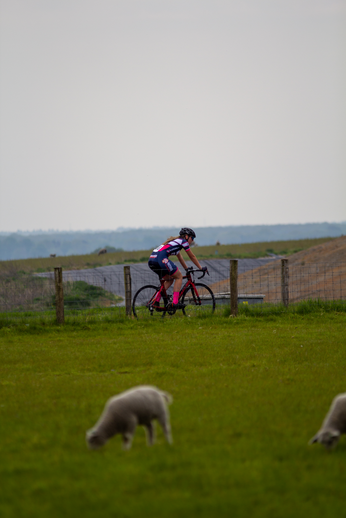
(102, 251)
(122, 413)
(333, 425)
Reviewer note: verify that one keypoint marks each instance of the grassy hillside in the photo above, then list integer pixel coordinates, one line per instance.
(77, 262)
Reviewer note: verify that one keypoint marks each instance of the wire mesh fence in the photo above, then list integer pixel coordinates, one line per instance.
(26, 293)
(305, 282)
(103, 290)
(25, 296)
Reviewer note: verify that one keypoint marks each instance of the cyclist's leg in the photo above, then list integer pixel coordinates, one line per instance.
(168, 281)
(178, 281)
(156, 268)
(163, 267)
(177, 278)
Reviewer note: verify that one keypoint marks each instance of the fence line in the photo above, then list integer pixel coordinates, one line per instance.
(233, 286)
(284, 282)
(274, 281)
(59, 295)
(127, 289)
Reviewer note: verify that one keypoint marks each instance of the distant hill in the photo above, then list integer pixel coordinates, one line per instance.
(26, 245)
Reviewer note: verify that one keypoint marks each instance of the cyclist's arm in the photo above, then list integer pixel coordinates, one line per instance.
(193, 259)
(181, 260)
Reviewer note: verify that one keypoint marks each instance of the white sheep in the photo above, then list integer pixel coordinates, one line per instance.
(333, 425)
(122, 413)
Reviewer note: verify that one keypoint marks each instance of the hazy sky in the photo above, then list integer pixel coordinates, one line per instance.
(136, 113)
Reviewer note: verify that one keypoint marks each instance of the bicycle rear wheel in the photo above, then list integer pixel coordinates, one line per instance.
(142, 304)
(201, 304)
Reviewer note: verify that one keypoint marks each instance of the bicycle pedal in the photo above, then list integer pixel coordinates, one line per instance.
(174, 307)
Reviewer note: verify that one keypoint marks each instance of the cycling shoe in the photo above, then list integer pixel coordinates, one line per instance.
(174, 307)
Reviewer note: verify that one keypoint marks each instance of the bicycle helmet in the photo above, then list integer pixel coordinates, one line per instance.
(187, 231)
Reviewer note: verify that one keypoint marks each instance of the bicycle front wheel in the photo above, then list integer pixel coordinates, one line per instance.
(142, 304)
(202, 303)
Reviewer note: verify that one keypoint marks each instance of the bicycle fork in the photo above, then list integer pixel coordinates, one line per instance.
(194, 292)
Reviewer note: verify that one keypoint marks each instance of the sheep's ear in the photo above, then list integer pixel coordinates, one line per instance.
(314, 439)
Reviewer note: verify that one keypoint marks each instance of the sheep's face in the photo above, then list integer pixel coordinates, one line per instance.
(329, 438)
(94, 440)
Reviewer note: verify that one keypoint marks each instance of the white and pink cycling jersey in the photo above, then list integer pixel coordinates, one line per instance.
(171, 248)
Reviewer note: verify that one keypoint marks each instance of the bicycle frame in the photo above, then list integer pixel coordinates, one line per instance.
(189, 297)
(183, 290)
(187, 285)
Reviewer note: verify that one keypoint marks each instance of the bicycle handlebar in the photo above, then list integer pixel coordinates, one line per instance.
(191, 270)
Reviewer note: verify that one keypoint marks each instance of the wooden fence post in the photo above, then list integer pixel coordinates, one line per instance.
(59, 296)
(284, 282)
(127, 283)
(234, 286)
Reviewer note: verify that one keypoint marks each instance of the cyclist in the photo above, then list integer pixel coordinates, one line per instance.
(160, 263)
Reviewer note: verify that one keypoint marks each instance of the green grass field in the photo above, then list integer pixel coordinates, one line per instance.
(249, 393)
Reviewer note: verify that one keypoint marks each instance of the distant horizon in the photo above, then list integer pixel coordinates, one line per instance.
(162, 227)
(23, 245)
